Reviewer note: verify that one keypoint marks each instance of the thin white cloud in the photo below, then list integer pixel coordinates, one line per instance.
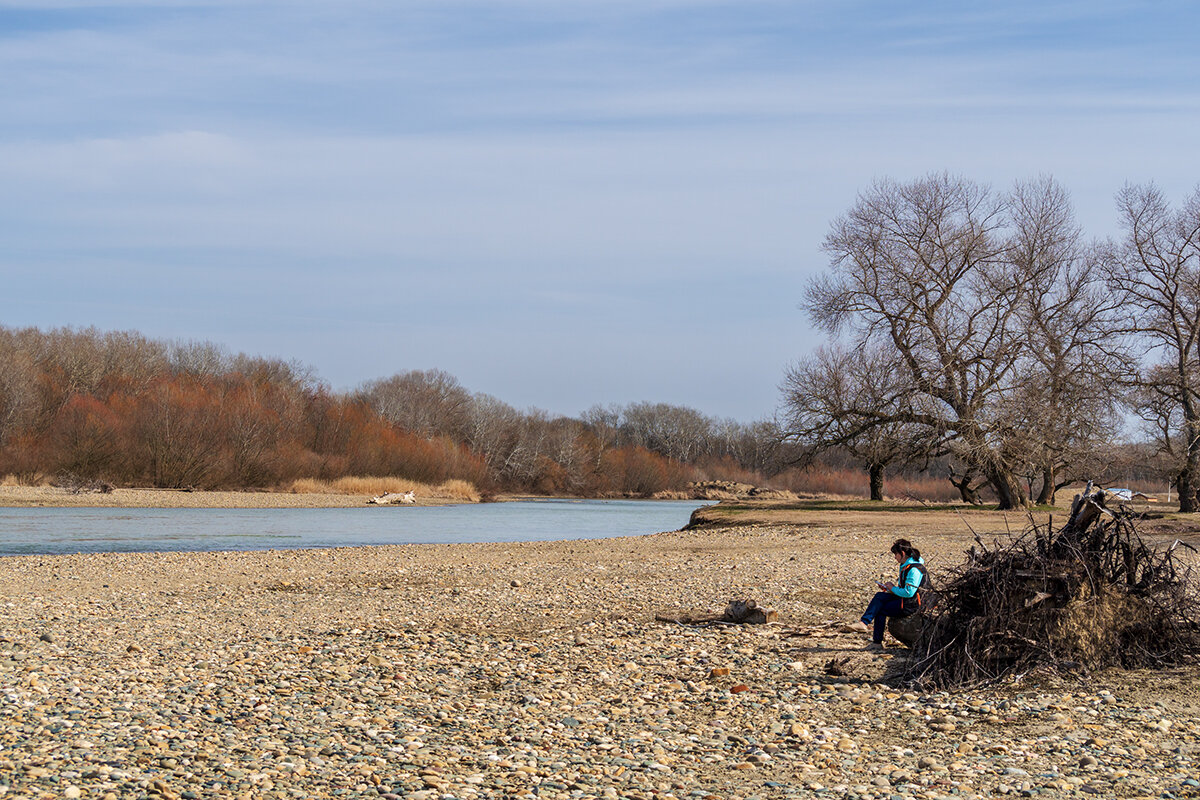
(663, 170)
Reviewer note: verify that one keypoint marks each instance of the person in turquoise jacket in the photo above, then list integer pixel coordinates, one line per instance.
(898, 599)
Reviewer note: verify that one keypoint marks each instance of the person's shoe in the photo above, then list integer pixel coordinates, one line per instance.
(874, 647)
(856, 627)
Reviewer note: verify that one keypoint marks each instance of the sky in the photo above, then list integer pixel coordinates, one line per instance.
(561, 203)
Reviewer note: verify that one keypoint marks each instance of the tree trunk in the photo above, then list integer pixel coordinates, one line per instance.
(1049, 487)
(966, 491)
(1191, 466)
(1187, 491)
(1008, 488)
(876, 473)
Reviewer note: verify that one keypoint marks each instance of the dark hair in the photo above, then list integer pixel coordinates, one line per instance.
(905, 548)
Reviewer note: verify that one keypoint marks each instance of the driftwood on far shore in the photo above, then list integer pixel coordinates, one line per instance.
(393, 498)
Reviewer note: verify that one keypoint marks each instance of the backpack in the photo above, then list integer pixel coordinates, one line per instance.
(912, 605)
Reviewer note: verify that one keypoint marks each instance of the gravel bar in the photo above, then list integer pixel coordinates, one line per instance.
(471, 671)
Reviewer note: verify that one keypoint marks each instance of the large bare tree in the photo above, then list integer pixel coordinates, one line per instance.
(922, 266)
(1156, 269)
(999, 315)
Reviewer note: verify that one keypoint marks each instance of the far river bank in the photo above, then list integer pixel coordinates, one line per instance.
(51, 496)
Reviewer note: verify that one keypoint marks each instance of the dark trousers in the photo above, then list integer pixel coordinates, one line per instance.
(882, 606)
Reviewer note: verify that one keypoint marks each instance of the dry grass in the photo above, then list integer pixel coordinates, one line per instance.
(849, 483)
(454, 489)
(13, 479)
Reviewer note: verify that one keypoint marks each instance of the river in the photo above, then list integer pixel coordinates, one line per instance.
(25, 531)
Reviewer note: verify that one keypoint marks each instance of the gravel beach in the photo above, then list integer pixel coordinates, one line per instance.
(538, 670)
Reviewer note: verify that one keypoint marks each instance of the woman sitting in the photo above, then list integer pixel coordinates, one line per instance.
(898, 599)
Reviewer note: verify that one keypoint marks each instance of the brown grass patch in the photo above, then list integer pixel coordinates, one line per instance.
(453, 489)
(1096, 625)
(13, 479)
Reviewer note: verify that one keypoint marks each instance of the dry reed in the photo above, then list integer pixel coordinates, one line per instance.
(453, 489)
(13, 479)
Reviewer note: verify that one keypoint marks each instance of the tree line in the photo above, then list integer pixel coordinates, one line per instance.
(981, 329)
(119, 407)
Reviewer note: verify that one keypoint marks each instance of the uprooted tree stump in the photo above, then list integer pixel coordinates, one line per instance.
(1092, 594)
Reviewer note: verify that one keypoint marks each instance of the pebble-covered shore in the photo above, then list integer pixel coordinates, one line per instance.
(51, 496)
(533, 670)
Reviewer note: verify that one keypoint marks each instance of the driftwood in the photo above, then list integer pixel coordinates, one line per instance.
(393, 498)
(838, 667)
(738, 612)
(74, 484)
(748, 612)
(1088, 595)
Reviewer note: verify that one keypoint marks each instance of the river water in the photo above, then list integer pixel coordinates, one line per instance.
(26, 531)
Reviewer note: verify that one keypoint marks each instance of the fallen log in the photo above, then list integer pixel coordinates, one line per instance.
(393, 498)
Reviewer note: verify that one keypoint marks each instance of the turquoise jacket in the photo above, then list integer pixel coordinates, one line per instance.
(911, 581)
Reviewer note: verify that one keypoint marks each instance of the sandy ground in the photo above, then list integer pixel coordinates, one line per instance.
(33, 496)
(539, 670)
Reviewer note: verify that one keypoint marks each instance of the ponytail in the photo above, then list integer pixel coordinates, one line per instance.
(905, 548)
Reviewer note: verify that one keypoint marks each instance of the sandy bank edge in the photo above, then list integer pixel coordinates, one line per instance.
(48, 496)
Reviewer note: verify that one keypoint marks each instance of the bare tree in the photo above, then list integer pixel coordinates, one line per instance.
(426, 402)
(676, 432)
(18, 386)
(604, 422)
(198, 359)
(1061, 414)
(1156, 270)
(922, 267)
(492, 430)
(756, 446)
(856, 399)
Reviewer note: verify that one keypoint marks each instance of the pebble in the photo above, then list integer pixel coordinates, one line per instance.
(199, 675)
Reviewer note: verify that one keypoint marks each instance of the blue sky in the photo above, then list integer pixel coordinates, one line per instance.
(561, 203)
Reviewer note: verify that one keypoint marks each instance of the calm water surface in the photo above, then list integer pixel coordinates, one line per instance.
(26, 531)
